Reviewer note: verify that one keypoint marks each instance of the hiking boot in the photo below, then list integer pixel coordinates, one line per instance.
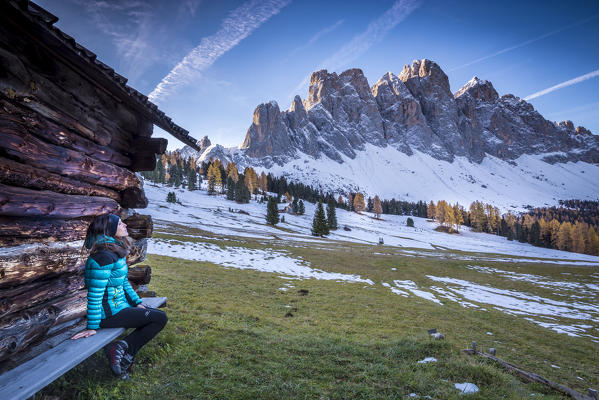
(126, 363)
(115, 352)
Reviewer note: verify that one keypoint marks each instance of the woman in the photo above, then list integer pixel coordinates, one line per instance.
(111, 301)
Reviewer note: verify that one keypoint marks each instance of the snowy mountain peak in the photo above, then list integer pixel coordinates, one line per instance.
(346, 121)
(479, 89)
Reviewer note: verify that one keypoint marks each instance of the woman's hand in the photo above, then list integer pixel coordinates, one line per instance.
(83, 334)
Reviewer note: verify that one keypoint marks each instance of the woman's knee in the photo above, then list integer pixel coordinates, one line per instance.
(159, 317)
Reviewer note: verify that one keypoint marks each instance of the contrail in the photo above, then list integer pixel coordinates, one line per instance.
(563, 85)
(360, 43)
(525, 43)
(238, 25)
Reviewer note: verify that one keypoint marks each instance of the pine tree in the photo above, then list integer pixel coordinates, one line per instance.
(230, 188)
(171, 197)
(331, 215)
(359, 202)
(564, 237)
(191, 179)
(369, 205)
(376, 207)
(301, 210)
(593, 242)
(214, 177)
(431, 210)
(579, 233)
(535, 234)
(459, 216)
(410, 222)
(232, 172)
(319, 223)
(294, 206)
(263, 182)
(272, 211)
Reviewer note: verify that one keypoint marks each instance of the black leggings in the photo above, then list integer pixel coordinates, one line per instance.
(148, 321)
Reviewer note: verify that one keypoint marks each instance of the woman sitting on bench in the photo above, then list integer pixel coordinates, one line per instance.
(111, 301)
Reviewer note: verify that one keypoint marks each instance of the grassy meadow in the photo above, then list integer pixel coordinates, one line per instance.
(238, 334)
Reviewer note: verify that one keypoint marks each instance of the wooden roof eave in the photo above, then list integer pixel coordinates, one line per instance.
(36, 23)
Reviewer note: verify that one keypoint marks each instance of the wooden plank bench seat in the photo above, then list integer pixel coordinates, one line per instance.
(32, 376)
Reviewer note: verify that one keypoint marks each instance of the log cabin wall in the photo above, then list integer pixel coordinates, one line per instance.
(72, 136)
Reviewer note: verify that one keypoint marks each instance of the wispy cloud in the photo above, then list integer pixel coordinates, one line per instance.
(238, 25)
(359, 44)
(571, 82)
(315, 37)
(132, 40)
(525, 43)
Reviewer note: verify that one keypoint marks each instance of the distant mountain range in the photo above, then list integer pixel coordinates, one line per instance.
(409, 137)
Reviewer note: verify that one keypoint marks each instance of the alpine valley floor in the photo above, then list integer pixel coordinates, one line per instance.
(272, 312)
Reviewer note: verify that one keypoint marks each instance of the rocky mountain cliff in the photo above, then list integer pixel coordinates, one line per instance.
(410, 131)
(413, 111)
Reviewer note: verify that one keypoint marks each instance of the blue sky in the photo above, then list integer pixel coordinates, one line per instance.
(208, 63)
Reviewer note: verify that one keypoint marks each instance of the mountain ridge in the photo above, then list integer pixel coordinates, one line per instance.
(413, 113)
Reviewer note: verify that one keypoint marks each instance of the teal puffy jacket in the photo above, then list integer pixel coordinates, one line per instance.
(108, 289)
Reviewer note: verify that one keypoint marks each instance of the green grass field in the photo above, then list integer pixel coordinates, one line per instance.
(233, 334)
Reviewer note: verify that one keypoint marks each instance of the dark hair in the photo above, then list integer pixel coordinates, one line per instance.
(101, 225)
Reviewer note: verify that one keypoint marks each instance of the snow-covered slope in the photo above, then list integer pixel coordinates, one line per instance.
(393, 174)
(211, 213)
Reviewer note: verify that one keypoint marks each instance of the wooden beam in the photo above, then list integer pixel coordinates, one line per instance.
(133, 198)
(22, 202)
(16, 174)
(62, 135)
(139, 275)
(28, 295)
(16, 143)
(17, 230)
(139, 226)
(26, 263)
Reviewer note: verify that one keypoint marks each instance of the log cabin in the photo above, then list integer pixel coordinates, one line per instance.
(73, 134)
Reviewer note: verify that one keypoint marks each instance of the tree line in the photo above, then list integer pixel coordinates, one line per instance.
(552, 227)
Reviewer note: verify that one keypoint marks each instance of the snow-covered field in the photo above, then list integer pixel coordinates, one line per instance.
(393, 174)
(576, 313)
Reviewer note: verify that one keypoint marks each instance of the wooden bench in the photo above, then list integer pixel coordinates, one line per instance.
(32, 376)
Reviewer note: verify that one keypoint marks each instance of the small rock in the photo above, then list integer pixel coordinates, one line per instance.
(393, 269)
(437, 336)
(288, 315)
(413, 395)
(578, 377)
(555, 366)
(427, 360)
(490, 333)
(466, 387)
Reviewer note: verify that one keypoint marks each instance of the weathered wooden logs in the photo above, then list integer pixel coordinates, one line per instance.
(134, 198)
(25, 263)
(139, 226)
(139, 275)
(16, 143)
(17, 174)
(30, 294)
(138, 252)
(22, 202)
(20, 230)
(59, 135)
(143, 161)
(149, 145)
(19, 331)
